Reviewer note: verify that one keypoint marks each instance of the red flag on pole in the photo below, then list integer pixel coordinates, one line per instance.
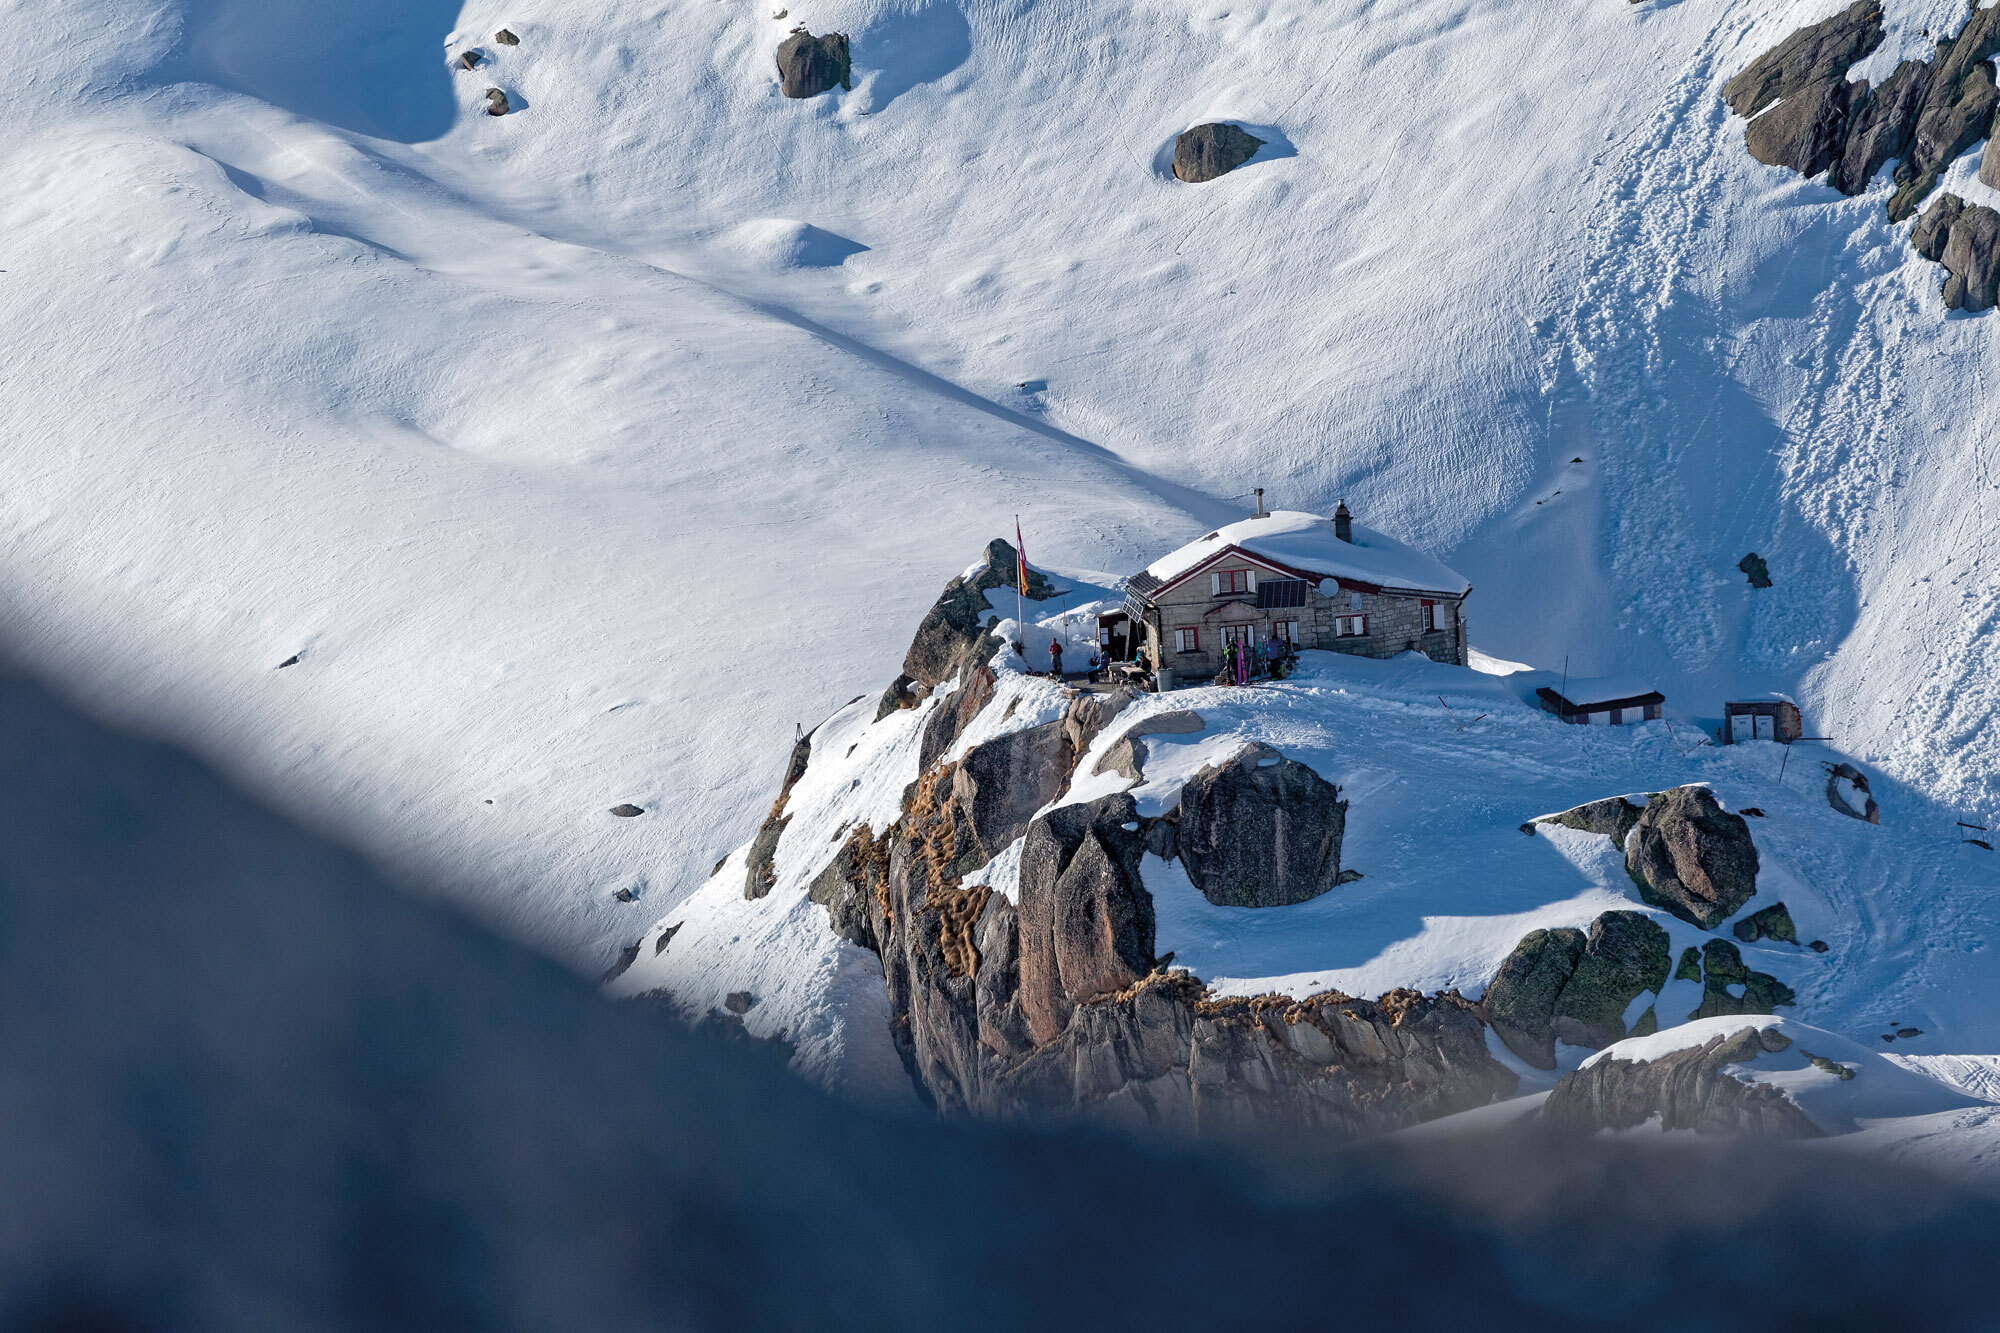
(1020, 557)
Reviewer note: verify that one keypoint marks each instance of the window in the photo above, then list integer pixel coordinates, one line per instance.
(1288, 630)
(1237, 633)
(1224, 582)
(1430, 616)
(1187, 640)
(1348, 627)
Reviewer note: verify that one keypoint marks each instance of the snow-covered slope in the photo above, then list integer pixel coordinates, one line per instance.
(583, 452)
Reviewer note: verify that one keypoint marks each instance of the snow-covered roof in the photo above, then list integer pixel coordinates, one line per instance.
(1305, 542)
(1584, 690)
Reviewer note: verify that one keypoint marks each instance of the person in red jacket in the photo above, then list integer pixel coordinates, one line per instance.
(1055, 659)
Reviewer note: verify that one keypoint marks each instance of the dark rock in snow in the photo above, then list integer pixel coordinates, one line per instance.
(666, 938)
(469, 60)
(1613, 817)
(1723, 967)
(1689, 967)
(506, 38)
(1957, 114)
(1880, 122)
(496, 102)
(1755, 570)
(1809, 56)
(1971, 260)
(626, 957)
(1933, 229)
(293, 660)
(952, 632)
(1818, 946)
(1085, 919)
(953, 715)
(1769, 923)
(761, 875)
(1565, 985)
(739, 1002)
(1520, 1002)
(848, 884)
(896, 695)
(1692, 857)
(1001, 783)
(809, 65)
(1261, 830)
(627, 810)
(1909, 1032)
(1685, 1089)
(1091, 713)
(1805, 131)
(1208, 151)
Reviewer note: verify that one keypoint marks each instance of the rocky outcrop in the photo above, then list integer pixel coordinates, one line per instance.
(1565, 985)
(1769, 923)
(1807, 130)
(1809, 56)
(951, 717)
(1693, 858)
(1002, 782)
(809, 65)
(1208, 151)
(496, 103)
(953, 630)
(1613, 817)
(1127, 754)
(1057, 1008)
(1924, 114)
(1724, 975)
(1755, 570)
(1687, 1089)
(1091, 713)
(1880, 122)
(1085, 919)
(1261, 830)
(760, 869)
(849, 883)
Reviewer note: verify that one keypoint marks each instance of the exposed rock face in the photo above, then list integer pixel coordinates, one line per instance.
(1092, 713)
(849, 882)
(1058, 1008)
(1208, 151)
(1806, 131)
(1261, 830)
(952, 632)
(1564, 984)
(950, 719)
(506, 38)
(761, 873)
(1001, 783)
(1769, 923)
(1880, 122)
(496, 103)
(1809, 56)
(1693, 858)
(1722, 968)
(1957, 114)
(1686, 1089)
(809, 65)
(1127, 754)
(1925, 113)
(1755, 570)
(1613, 817)
(1085, 919)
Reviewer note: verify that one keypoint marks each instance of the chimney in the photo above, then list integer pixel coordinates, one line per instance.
(1343, 523)
(1260, 504)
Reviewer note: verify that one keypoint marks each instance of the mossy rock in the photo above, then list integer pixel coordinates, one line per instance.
(1690, 965)
(1771, 923)
(1722, 967)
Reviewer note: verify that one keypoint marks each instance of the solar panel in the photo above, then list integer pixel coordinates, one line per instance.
(1276, 593)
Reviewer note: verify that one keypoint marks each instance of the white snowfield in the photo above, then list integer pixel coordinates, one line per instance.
(582, 453)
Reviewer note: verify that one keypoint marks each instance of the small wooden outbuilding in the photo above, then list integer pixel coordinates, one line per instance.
(1603, 701)
(1773, 717)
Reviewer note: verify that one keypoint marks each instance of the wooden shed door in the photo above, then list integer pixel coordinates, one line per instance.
(1766, 727)
(1739, 727)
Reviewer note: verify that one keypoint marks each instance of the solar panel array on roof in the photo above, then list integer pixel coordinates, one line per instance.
(1276, 593)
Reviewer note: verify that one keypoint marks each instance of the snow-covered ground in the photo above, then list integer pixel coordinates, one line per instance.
(583, 453)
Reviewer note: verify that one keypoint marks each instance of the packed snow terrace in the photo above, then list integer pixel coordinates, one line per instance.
(1352, 896)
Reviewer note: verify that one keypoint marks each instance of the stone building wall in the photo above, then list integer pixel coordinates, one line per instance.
(1394, 625)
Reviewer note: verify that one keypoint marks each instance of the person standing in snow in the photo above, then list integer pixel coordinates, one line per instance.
(1229, 662)
(1055, 658)
(1276, 650)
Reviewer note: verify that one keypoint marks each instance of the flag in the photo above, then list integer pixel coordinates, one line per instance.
(1020, 557)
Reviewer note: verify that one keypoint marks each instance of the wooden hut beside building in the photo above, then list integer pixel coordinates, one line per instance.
(1603, 701)
(1771, 717)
